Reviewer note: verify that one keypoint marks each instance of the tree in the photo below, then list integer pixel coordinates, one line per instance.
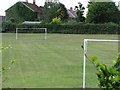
(62, 12)
(80, 10)
(53, 10)
(102, 12)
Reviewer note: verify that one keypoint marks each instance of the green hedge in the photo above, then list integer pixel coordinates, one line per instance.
(8, 27)
(109, 28)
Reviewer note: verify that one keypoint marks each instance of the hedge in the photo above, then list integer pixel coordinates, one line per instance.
(108, 28)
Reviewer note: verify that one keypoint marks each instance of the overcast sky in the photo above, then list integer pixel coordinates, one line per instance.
(5, 4)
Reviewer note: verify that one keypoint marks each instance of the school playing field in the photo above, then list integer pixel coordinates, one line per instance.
(56, 62)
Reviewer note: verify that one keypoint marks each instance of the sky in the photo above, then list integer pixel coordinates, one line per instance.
(5, 4)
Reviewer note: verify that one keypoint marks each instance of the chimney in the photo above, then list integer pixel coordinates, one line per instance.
(34, 2)
(26, 0)
(71, 8)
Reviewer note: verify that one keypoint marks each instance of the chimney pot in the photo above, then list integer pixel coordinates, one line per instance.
(71, 8)
(34, 2)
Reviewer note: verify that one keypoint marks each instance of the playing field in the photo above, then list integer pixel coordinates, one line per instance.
(54, 63)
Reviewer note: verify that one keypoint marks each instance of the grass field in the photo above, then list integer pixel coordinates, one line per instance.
(54, 63)
(0, 60)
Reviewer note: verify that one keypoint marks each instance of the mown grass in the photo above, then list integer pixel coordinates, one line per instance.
(53, 63)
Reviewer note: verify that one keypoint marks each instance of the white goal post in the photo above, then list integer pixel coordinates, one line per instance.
(85, 52)
(45, 31)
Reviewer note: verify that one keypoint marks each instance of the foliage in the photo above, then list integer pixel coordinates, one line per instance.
(7, 68)
(19, 13)
(79, 28)
(26, 13)
(8, 26)
(108, 77)
(80, 10)
(103, 12)
(49, 12)
(62, 12)
(56, 20)
(53, 10)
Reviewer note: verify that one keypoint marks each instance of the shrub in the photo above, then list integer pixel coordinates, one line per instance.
(80, 28)
(8, 26)
(108, 77)
(56, 20)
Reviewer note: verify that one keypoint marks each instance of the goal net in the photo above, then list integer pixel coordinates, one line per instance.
(106, 52)
(31, 32)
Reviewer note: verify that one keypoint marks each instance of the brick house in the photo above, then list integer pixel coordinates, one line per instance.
(24, 11)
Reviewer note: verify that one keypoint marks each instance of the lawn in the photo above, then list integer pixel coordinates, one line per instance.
(53, 63)
(0, 59)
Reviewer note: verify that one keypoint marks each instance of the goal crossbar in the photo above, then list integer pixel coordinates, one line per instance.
(45, 30)
(85, 52)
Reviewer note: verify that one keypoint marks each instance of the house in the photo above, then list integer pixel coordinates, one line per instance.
(55, 1)
(24, 11)
(119, 5)
(71, 13)
(2, 18)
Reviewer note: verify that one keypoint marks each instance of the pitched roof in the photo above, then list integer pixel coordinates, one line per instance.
(71, 13)
(33, 7)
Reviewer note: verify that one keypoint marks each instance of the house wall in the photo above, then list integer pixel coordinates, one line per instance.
(19, 13)
(2, 18)
(119, 5)
(40, 15)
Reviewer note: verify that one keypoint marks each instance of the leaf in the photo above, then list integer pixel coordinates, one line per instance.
(94, 59)
(112, 71)
(3, 68)
(98, 64)
(114, 62)
(13, 61)
(82, 46)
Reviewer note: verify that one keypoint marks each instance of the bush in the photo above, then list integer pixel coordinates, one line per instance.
(80, 28)
(108, 77)
(56, 20)
(8, 26)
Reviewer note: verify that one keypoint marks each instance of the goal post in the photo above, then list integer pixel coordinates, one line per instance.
(45, 31)
(85, 52)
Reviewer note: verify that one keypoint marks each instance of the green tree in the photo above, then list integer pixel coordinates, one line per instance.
(53, 10)
(49, 11)
(62, 12)
(102, 12)
(80, 12)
